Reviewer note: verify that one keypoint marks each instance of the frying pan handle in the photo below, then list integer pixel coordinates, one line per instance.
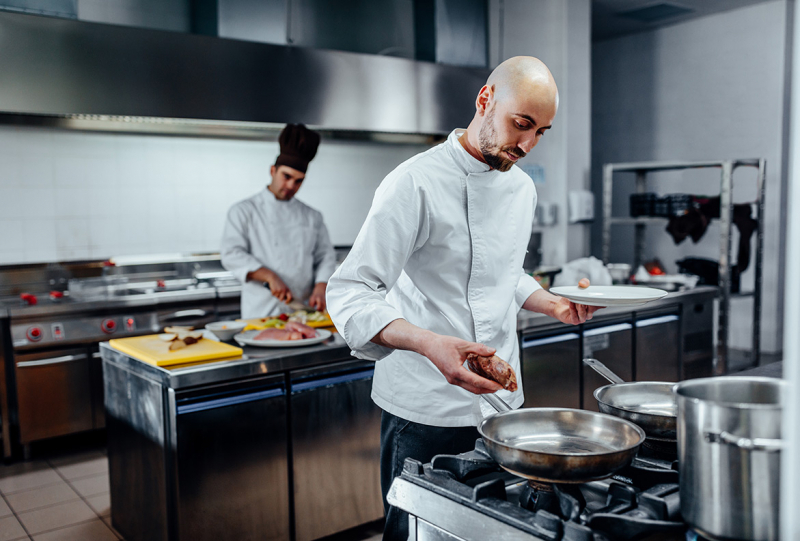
(496, 402)
(603, 370)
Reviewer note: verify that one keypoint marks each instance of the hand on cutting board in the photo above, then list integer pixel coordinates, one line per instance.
(317, 298)
(277, 287)
(561, 308)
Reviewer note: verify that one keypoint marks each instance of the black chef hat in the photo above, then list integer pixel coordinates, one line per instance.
(298, 146)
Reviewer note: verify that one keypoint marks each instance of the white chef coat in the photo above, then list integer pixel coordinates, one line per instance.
(442, 247)
(287, 237)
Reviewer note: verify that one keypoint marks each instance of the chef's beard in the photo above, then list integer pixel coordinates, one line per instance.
(493, 154)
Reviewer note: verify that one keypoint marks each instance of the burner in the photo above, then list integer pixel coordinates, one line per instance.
(661, 449)
(641, 501)
(563, 500)
(539, 497)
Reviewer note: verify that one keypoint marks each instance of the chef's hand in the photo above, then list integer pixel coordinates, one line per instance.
(448, 354)
(317, 298)
(560, 308)
(567, 311)
(277, 287)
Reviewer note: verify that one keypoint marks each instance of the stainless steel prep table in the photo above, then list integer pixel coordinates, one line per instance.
(282, 443)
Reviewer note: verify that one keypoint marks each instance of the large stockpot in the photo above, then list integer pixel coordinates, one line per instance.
(729, 431)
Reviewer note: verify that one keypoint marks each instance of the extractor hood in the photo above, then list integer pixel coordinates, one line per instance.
(79, 74)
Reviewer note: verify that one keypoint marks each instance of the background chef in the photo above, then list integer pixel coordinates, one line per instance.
(277, 246)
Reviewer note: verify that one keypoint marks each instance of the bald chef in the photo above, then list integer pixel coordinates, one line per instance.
(277, 246)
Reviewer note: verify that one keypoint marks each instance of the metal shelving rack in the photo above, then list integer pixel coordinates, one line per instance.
(726, 212)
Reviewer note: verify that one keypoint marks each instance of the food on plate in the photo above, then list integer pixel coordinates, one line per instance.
(278, 334)
(493, 368)
(180, 337)
(299, 316)
(303, 329)
(292, 331)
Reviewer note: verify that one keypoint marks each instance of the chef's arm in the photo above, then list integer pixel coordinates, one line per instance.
(235, 251)
(445, 352)
(324, 255)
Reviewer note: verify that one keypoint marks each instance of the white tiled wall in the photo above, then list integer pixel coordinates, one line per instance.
(69, 195)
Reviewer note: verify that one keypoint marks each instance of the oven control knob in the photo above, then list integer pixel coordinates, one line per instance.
(34, 334)
(109, 326)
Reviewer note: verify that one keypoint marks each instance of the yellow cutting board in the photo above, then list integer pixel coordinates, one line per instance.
(257, 323)
(151, 349)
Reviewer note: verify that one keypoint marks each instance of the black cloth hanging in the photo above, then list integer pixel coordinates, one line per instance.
(695, 222)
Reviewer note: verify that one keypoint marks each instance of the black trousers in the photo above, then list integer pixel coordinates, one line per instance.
(401, 439)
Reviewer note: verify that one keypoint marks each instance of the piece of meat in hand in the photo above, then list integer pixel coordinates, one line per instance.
(495, 369)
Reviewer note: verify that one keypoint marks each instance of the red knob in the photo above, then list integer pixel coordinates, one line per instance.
(109, 326)
(34, 334)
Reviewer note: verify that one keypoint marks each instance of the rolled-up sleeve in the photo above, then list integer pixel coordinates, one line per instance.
(397, 224)
(235, 251)
(324, 254)
(526, 286)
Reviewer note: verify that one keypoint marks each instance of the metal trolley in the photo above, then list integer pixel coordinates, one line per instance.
(641, 169)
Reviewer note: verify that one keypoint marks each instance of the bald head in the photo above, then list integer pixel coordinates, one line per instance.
(513, 110)
(523, 77)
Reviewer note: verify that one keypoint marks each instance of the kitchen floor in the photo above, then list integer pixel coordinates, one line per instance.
(65, 497)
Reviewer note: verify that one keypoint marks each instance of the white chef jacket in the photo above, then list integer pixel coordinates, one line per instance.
(287, 237)
(442, 247)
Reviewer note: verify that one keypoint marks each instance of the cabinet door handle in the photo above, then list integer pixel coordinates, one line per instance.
(54, 360)
(180, 314)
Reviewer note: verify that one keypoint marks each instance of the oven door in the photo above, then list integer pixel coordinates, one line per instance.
(54, 397)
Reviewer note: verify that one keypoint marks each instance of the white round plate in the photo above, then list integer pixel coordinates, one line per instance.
(609, 295)
(246, 339)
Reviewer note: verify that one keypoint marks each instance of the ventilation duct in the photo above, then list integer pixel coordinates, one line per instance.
(66, 69)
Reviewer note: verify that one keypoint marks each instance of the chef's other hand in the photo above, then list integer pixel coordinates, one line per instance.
(278, 288)
(448, 354)
(317, 298)
(567, 311)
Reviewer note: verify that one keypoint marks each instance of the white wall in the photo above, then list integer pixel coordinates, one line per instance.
(558, 33)
(69, 195)
(707, 89)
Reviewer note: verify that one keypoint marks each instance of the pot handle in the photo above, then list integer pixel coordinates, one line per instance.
(496, 402)
(748, 444)
(603, 370)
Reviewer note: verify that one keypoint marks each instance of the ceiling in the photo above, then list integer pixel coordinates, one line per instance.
(614, 18)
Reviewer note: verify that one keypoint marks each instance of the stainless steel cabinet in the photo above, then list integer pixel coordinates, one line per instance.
(612, 345)
(335, 431)
(658, 348)
(53, 393)
(231, 461)
(551, 374)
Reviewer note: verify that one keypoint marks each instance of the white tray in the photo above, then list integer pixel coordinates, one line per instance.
(609, 295)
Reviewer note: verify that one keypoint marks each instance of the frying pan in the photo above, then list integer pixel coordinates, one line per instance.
(558, 445)
(649, 404)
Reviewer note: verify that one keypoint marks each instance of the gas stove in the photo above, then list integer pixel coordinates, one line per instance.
(470, 497)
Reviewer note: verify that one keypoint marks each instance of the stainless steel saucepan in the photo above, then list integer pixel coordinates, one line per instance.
(649, 404)
(558, 445)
